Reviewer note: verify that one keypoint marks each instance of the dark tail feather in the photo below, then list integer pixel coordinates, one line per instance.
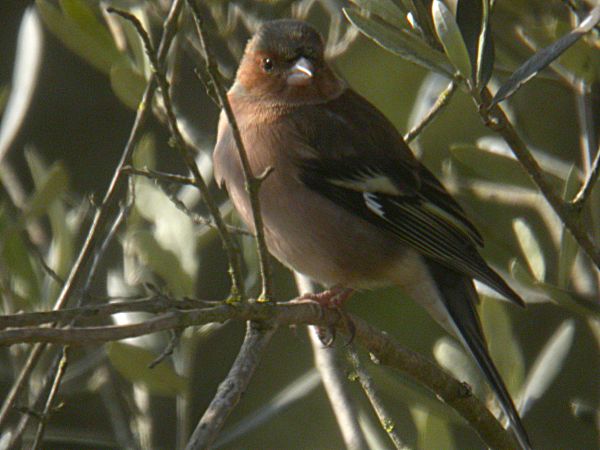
(459, 297)
(482, 357)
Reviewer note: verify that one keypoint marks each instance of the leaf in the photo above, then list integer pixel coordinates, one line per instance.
(451, 38)
(161, 261)
(502, 343)
(295, 391)
(470, 16)
(87, 43)
(547, 366)
(28, 58)
(50, 184)
(15, 255)
(433, 432)
(531, 248)
(82, 15)
(400, 42)
(132, 363)
(386, 9)
(568, 245)
(48, 189)
(452, 357)
(491, 165)
(544, 57)
(562, 297)
(127, 84)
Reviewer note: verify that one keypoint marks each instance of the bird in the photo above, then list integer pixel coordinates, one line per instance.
(347, 203)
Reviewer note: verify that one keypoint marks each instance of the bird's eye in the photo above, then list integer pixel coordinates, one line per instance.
(267, 64)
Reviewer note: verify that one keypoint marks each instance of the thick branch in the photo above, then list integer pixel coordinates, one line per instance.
(385, 349)
(233, 387)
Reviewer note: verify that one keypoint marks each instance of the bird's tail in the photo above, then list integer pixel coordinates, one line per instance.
(459, 298)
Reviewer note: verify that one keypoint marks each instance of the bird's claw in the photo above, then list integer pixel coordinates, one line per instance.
(333, 298)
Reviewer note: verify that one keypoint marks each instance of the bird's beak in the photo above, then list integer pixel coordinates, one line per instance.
(301, 73)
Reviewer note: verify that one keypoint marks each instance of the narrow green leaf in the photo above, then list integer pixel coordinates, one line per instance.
(294, 392)
(490, 165)
(386, 9)
(15, 255)
(471, 17)
(433, 432)
(568, 300)
(547, 366)
(568, 245)
(127, 84)
(132, 363)
(502, 343)
(531, 248)
(161, 261)
(545, 56)
(54, 183)
(401, 42)
(92, 48)
(452, 357)
(82, 15)
(451, 38)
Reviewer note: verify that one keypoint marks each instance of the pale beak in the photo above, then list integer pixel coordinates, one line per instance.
(301, 73)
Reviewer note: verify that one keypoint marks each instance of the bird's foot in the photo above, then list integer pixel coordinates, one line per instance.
(333, 298)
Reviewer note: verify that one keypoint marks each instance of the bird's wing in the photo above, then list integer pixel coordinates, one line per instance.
(372, 173)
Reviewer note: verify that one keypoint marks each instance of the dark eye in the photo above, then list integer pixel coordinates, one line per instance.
(267, 64)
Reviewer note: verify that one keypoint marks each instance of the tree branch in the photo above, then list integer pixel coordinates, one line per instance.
(104, 213)
(365, 380)
(334, 381)
(439, 105)
(233, 387)
(496, 119)
(586, 188)
(384, 349)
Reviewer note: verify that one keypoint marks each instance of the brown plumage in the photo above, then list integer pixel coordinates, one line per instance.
(347, 203)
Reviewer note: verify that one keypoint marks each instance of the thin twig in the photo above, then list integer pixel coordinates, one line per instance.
(384, 348)
(438, 106)
(156, 304)
(104, 213)
(252, 181)
(334, 381)
(179, 179)
(585, 119)
(365, 380)
(62, 367)
(588, 186)
(237, 289)
(159, 176)
(233, 387)
(496, 119)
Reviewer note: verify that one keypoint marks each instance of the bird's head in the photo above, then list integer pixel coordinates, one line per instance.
(284, 63)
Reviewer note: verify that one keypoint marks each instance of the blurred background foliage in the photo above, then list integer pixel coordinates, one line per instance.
(71, 77)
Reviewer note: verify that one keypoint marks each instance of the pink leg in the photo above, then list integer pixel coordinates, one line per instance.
(333, 298)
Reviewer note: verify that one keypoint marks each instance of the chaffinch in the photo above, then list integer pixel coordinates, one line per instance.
(347, 203)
